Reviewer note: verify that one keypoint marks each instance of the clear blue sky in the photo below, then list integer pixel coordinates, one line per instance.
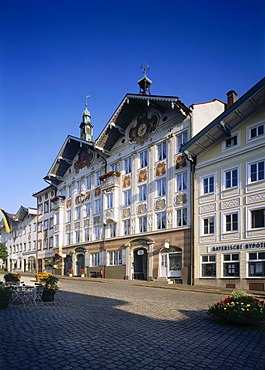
(55, 52)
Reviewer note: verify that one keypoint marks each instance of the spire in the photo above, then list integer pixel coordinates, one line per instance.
(86, 127)
(145, 82)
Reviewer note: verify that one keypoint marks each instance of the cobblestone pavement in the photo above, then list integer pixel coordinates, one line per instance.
(104, 325)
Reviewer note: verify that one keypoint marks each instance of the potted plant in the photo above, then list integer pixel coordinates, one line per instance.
(70, 272)
(50, 287)
(4, 296)
(12, 277)
(240, 308)
(82, 272)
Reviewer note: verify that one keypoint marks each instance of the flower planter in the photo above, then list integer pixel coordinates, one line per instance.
(70, 275)
(82, 275)
(48, 296)
(4, 301)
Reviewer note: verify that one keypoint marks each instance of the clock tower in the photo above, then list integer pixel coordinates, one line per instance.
(86, 127)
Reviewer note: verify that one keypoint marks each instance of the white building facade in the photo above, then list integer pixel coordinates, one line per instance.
(228, 165)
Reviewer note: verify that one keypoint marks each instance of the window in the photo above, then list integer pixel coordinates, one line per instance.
(88, 183)
(29, 246)
(51, 223)
(68, 215)
(77, 236)
(231, 222)
(256, 264)
(162, 151)
(127, 197)
(112, 230)
(86, 233)
(142, 193)
(40, 227)
(182, 217)
(161, 220)
(51, 242)
(87, 210)
(127, 227)
(68, 238)
(40, 208)
(69, 191)
(208, 265)
(208, 225)
(94, 259)
(182, 181)
(97, 207)
(181, 139)
(109, 198)
(97, 232)
(35, 224)
(231, 178)
(257, 218)
(97, 180)
(143, 159)
(142, 224)
(46, 207)
(114, 167)
(257, 131)
(208, 184)
(257, 171)
(115, 258)
(231, 265)
(46, 225)
(78, 186)
(231, 141)
(128, 165)
(161, 187)
(45, 243)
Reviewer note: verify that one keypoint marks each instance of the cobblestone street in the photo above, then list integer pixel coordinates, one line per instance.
(104, 325)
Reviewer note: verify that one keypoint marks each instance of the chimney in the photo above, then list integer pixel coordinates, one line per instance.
(231, 98)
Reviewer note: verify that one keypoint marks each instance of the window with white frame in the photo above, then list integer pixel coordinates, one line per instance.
(231, 222)
(182, 217)
(112, 230)
(161, 187)
(46, 206)
(230, 142)
(161, 220)
(46, 224)
(256, 264)
(127, 163)
(94, 259)
(87, 210)
(97, 232)
(51, 206)
(68, 238)
(162, 151)
(127, 195)
(231, 178)
(257, 218)
(86, 233)
(69, 191)
(256, 171)
(256, 131)
(208, 266)
(143, 159)
(142, 193)
(45, 243)
(29, 246)
(115, 258)
(182, 181)
(97, 180)
(68, 215)
(109, 198)
(181, 140)
(40, 226)
(97, 206)
(88, 183)
(40, 208)
(51, 242)
(114, 167)
(77, 236)
(142, 224)
(231, 265)
(208, 225)
(127, 227)
(78, 186)
(51, 223)
(35, 224)
(208, 184)
(34, 243)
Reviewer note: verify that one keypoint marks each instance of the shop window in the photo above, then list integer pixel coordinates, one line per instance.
(256, 264)
(115, 258)
(208, 266)
(231, 265)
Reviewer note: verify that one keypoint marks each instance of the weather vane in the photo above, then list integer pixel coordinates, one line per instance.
(87, 97)
(144, 69)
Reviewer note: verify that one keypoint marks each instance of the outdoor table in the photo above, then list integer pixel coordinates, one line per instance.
(21, 293)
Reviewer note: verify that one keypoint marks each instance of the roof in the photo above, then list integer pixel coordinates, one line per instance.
(221, 127)
(23, 212)
(65, 158)
(126, 111)
(37, 193)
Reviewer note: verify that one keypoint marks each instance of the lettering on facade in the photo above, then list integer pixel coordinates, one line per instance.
(236, 247)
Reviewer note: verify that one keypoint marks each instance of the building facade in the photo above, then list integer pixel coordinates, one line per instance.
(123, 202)
(228, 167)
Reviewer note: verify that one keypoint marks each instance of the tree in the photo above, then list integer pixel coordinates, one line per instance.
(3, 252)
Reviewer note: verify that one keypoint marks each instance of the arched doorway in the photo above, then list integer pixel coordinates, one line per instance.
(80, 262)
(140, 264)
(171, 262)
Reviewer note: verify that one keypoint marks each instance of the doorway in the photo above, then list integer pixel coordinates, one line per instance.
(140, 264)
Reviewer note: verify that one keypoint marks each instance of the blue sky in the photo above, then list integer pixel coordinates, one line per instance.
(55, 52)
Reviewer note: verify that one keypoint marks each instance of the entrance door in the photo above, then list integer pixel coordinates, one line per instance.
(140, 264)
(163, 270)
(174, 268)
(80, 262)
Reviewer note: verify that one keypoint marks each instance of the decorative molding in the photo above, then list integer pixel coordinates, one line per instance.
(160, 204)
(230, 203)
(127, 181)
(160, 169)
(180, 199)
(255, 198)
(126, 212)
(181, 161)
(141, 209)
(208, 208)
(142, 175)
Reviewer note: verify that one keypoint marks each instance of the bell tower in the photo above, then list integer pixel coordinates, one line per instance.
(86, 127)
(145, 82)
